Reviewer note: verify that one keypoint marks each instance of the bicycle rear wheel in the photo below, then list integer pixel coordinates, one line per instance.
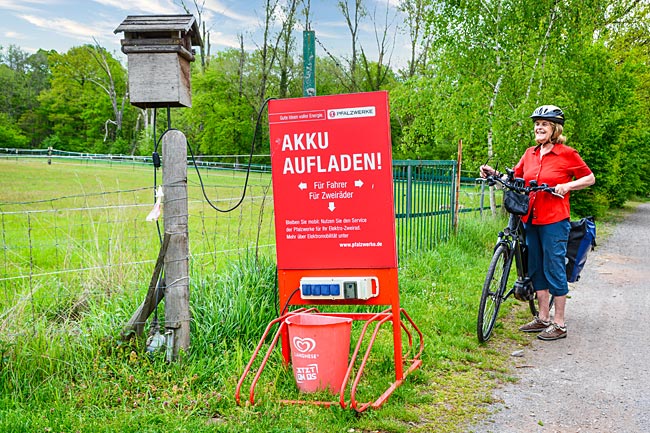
(494, 286)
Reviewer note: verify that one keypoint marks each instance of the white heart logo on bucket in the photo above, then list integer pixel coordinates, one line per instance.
(323, 367)
(304, 345)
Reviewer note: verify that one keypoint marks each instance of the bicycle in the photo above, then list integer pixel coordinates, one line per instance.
(510, 245)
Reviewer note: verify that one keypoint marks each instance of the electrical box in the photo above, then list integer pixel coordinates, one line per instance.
(159, 52)
(339, 287)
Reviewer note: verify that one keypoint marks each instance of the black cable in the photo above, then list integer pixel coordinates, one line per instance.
(156, 160)
(155, 157)
(286, 304)
(196, 167)
(248, 170)
(276, 292)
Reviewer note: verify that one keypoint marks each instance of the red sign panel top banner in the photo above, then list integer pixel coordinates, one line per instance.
(333, 182)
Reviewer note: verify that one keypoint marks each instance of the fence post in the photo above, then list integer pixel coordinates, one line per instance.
(459, 168)
(409, 191)
(175, 214)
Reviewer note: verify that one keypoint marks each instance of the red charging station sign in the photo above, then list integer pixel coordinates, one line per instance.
(333, 182)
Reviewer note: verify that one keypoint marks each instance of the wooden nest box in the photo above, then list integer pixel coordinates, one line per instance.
(159, 52)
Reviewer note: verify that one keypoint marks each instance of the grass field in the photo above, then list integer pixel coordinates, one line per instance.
(63, 367)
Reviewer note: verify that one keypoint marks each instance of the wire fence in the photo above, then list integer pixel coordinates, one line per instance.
(261, 162)
(58, 252)
(97, 243)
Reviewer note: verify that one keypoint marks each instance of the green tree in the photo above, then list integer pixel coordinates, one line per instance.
(415, 12)
(601, 89)
(492, 62)
(22, 78)
(84, 100)
(220, 121)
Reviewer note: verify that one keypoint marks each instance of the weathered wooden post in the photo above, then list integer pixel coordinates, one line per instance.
(159, 52)
(175, 212)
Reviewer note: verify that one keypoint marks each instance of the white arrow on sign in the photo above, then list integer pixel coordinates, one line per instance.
(331, 206)
(358, 183)
(302, 185)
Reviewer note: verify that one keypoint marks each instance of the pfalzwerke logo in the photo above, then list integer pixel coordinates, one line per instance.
(304, 345)
(347, 113)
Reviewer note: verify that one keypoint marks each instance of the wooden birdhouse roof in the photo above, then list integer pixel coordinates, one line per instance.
(161, 27)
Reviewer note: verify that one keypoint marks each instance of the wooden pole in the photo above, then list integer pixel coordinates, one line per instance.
(135, 327)
(175, 214)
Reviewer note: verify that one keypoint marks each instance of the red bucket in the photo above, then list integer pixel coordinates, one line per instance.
(320, 347)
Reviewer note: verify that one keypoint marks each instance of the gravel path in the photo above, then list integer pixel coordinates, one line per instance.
(598, 378)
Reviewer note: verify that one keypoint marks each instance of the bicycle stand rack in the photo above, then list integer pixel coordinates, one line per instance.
(403, 366)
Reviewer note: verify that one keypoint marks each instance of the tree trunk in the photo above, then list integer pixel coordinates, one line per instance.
(352, 19)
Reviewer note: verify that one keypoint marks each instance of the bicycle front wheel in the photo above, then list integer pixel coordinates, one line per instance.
(494, 286)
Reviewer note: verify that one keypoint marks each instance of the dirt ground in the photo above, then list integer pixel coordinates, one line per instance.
(598, 378)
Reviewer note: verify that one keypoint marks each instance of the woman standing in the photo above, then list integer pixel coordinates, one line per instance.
(547, 226)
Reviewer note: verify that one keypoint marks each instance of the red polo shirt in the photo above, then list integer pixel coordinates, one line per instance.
(561, 165)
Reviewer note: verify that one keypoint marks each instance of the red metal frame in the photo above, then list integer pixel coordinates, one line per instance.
(380, 318)
(328, 118)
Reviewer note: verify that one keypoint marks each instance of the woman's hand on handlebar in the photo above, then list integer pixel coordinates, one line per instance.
(544, 187)
(562, 189)
(486, 171)
(574, 185)
(555, 193)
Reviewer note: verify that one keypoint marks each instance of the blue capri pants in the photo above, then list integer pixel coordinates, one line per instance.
(546, 256)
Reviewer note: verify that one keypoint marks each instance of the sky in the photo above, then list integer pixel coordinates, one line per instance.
(62, 24)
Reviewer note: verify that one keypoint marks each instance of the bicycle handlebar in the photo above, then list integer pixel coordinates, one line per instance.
(518, 184)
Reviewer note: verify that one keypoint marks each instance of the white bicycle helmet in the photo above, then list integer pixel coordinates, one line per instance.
(549, 112)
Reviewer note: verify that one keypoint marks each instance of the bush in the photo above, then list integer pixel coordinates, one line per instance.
(10, 134)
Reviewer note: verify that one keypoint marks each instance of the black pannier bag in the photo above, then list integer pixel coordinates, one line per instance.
(582, 239)
(515, 203)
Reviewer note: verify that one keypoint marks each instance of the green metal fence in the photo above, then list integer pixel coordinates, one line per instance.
(424, 203)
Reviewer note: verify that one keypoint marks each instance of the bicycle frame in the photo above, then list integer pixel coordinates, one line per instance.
(514, 237)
